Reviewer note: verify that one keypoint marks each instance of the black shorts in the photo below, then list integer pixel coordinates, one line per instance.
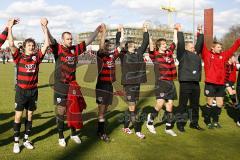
(230, 84)
(214, 90)
(165, 90)
(104, 93)
(132, 92)
(26, 99)
(60, 94)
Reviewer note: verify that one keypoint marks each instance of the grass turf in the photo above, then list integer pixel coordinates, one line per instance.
(210, 144)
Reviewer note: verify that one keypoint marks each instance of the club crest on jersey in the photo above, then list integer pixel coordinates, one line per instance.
(72, 51)
(207, 92)
(109, 64)
(34, 58)
(74, 92)
(220, 57)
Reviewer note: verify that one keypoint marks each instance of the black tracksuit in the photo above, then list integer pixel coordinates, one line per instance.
(133, 65)
(189, 75)
(133, 70)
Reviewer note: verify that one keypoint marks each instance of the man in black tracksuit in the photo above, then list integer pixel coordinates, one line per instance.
(189, 75)
(133, 70)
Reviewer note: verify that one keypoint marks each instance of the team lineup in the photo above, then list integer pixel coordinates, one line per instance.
(219, 67)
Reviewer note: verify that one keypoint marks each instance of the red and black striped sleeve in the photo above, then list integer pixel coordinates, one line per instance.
(152, 55)
(116, 53)
(81, 47)
(40, 56)
(3, 36)
(16, 56)
(172, 47)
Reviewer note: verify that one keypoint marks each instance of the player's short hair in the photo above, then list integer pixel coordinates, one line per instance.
(216, 43)
(109, 41)
(29, 40)
(158, 42)
(63, 34)
(126, 45)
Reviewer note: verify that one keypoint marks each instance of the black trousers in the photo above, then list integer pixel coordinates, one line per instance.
(238, 93)
(189, 91)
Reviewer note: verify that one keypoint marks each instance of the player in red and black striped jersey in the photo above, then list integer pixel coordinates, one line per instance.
(165, 73)
(27, 79)
(66, 58)
(106, 56)
(230, 79)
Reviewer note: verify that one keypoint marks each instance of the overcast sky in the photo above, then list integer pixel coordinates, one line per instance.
(81, 15)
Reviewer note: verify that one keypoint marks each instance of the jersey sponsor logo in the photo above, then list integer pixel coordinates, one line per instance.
(167, 59)
(70, 59)
(220, 57)
(30, 67)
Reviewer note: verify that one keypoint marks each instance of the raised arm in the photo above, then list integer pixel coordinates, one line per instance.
(51, 40)
(200, 40)
(3, 35)
(44, 23)
(180, 42)
(120, 38)
(93, 35)
(175, 38)
(12, 46)
(103, 37)
(232, 49)
(145, 43)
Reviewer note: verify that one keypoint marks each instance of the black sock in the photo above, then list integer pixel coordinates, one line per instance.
(170, 120)
(133, 118)
(101, 127)
(154, 114)
(73, 131)
(207, 114)
(28, 128)
(16, 129)
(126, 119)
(216, 113)
(60, 125)
(233, 98)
